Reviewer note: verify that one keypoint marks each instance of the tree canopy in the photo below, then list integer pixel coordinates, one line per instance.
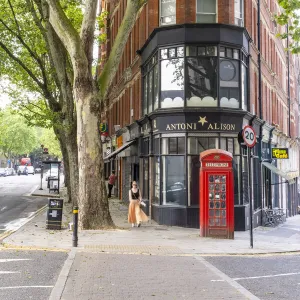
(16, 137)
(290, 16)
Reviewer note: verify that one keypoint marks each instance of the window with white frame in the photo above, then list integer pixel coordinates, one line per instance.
(206, 11)
(239, 12)
(167, 12)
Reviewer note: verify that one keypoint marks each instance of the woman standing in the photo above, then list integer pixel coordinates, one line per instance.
(135, 215)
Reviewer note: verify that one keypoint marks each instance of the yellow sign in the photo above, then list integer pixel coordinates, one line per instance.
(280, 153)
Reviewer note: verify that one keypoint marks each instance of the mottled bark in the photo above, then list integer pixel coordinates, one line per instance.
(93, 201)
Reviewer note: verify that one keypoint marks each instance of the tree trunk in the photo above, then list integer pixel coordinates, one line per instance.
(68, 143)
(93, 202)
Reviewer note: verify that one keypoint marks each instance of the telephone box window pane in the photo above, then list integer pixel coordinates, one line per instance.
(217, 222)
(217, 213)
(223, 196)
(211, 212)
(223, 204)
(217, 204)
(223, 213)
(223, 187)
(223, 222)
(211, 222)
(211, 178)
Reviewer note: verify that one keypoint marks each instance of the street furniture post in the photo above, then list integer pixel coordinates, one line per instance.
(75, 226)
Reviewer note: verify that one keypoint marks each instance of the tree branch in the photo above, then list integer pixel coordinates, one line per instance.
(88, 29)
(25, 68)
(111, 66)
(68, 35)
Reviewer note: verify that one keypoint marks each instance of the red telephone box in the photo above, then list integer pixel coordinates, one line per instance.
(216, 194)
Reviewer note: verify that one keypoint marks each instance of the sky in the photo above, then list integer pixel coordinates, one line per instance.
(4, 100)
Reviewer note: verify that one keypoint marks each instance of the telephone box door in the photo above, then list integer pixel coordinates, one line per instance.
(216, 195)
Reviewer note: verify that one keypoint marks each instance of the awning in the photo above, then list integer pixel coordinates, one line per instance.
(280, 173)
(116, 152)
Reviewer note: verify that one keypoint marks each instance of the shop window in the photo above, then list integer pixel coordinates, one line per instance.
(156, 179)
(206, 11)
(173, 145)
(172, 77)
(193, 183)
(239, 12)
(156, 146)
(196, 145)
(173, 180)
(146, 179)
(167, 12)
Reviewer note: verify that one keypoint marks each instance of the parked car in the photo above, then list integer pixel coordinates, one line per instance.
(11, 171)
(51, 173)
(38, 170)
(22, 170)
(30, 170)
(3, 172)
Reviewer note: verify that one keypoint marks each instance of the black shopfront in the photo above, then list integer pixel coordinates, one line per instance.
(195, 98)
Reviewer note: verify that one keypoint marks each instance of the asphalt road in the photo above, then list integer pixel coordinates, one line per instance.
(28, 275)
(15, 204)
(271, 277)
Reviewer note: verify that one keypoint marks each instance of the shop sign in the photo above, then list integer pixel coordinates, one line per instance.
(280, 153)
(103, 127)
(216, 165)
(212, 122)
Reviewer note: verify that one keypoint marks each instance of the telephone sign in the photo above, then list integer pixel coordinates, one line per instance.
(249, 136)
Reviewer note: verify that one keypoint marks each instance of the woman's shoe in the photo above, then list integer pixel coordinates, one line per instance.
(139, 225)
(132, 225)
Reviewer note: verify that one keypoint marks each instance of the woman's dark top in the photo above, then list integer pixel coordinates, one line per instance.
(135, 196)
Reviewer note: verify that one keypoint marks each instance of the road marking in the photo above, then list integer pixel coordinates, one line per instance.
(226, 278)
(9, 272)
(25, 287)
(2, 209)
(33, 189)
(217, 280)
(266, 276)
(13, 259)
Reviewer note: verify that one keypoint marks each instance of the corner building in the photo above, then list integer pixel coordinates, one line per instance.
(188, 81)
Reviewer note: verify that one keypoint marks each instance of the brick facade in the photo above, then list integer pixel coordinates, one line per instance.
(126, 92)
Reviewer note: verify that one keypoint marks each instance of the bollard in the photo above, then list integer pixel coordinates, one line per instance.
(75, 226)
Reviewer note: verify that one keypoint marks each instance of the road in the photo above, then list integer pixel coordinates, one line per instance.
(28, 275)
(269, 277)
(15, 204)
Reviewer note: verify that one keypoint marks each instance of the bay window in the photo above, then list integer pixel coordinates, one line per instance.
(196, 76)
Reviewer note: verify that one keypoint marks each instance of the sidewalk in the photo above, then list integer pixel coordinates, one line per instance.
(155, 239)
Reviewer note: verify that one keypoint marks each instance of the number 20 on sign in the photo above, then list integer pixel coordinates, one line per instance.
(249, 136)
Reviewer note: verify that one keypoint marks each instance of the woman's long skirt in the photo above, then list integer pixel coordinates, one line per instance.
(135, 213)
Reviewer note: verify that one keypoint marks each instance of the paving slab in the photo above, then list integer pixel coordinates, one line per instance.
(148, 238)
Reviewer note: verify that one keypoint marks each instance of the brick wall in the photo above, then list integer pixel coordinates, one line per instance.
(126, 92)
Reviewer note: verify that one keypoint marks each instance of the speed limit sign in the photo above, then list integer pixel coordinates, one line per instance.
(249, 136)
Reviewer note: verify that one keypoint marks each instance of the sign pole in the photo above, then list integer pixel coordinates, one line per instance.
(250, 195)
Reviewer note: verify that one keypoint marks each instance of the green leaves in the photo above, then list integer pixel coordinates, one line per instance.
(290, 16)
(16, 137)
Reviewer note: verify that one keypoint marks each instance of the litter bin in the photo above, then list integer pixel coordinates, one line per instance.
(54, 213)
